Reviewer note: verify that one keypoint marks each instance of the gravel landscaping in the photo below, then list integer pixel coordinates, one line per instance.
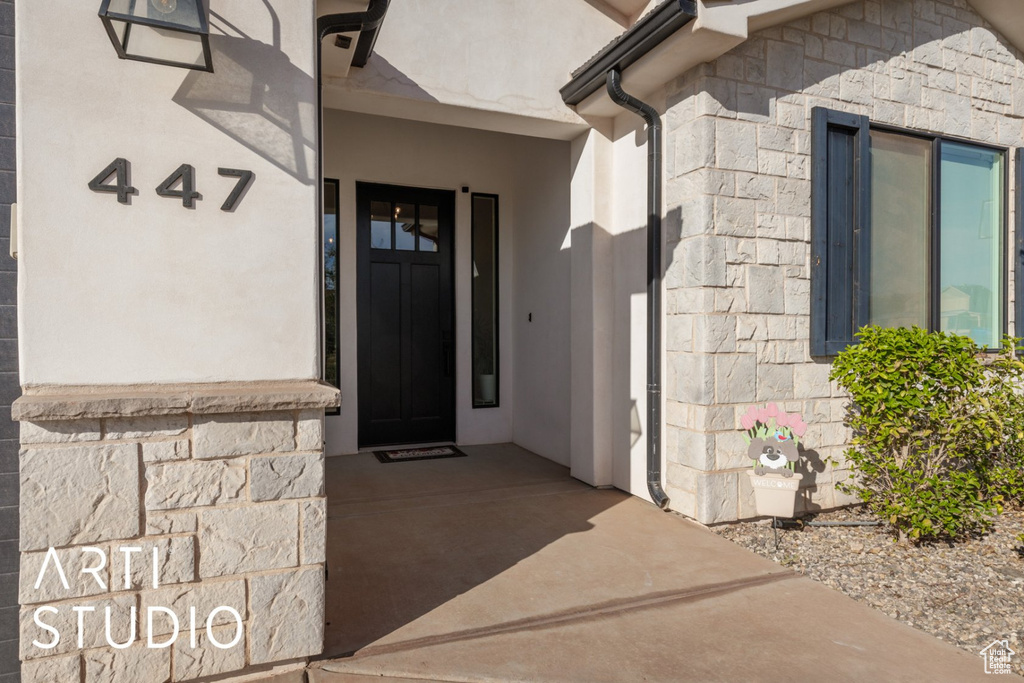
(969, 594)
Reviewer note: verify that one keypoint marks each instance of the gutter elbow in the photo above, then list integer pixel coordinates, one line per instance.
(345, 22)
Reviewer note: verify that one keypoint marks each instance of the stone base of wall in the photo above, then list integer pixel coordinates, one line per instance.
(220, 488)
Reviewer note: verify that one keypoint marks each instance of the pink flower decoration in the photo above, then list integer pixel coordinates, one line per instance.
(787, 425)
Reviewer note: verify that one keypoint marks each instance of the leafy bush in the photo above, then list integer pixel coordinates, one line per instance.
(1004, 389)
(929, 428)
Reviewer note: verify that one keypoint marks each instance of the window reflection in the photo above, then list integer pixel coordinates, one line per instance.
(901, 208)
(330, 280)
(485, 301)
(380, 225)
(405, 227)
(428, 228)
(971, 243)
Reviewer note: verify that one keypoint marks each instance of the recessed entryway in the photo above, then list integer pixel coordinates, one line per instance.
(406, 315)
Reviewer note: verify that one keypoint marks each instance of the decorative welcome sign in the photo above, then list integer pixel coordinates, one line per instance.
(52, 570)
(773, 439)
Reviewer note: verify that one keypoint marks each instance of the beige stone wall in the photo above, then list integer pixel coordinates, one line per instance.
(234, 504)
(738, 298)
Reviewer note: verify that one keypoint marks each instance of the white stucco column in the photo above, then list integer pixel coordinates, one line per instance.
(592, 310)
(170, 353)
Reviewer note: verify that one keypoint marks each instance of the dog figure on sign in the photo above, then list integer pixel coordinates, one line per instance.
(773, 437)
(776, 454)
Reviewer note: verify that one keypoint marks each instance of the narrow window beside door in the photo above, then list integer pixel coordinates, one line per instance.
(485, 301)
(332, 374)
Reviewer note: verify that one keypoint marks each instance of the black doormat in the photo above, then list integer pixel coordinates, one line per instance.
(410, 454)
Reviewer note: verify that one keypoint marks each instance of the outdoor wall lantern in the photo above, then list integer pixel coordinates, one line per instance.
(170, 32)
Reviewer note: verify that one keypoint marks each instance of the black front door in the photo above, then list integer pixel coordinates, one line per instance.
(406, 315)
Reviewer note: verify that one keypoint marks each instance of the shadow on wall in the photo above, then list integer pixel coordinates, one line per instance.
(627, 261)
(542, 306)
(379, 72)
(811, 464)
(259, 98)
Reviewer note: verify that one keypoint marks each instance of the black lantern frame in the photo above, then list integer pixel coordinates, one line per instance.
(122, 45)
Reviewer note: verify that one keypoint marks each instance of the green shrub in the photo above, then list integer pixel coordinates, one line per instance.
(925, 419)
(1004, 388)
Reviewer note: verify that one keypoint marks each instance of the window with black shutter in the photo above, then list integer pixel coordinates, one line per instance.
(908, 229)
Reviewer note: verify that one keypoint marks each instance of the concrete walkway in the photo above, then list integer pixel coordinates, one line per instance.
(500, 567)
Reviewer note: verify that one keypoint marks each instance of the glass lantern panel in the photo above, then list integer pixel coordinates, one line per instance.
(183, 13)
(165, 45)
(120, 27)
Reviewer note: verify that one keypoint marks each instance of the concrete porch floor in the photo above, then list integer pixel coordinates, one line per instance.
(500, 567)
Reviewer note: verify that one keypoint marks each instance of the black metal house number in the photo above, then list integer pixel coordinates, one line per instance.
(116, 179)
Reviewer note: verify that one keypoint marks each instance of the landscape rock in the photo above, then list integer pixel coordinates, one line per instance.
(968, 593)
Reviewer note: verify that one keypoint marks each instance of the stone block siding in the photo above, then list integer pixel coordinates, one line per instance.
(738, 190)
(234, 505)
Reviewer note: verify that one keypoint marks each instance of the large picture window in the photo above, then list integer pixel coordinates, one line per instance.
(907, 229)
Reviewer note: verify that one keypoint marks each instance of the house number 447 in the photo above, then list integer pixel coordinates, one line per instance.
(116, 179)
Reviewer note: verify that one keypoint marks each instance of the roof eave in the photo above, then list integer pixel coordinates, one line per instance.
(632, 45)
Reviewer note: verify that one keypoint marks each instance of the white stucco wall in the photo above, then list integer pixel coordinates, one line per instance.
(629, 258)
(531, 177)
(490, 64)
(153, 292)
(542, 272)
(609, 284)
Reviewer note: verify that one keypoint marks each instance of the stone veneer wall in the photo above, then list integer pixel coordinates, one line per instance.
(738, 291)
(233, 501)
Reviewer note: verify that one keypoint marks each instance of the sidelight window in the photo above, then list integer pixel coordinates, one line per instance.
(332, 374)
(485, 301)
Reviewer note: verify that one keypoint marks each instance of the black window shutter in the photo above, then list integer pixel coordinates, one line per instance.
(1018, 260)
(840, 212)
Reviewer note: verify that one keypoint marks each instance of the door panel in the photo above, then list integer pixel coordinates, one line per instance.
(426, 347)
(386, 331)
(406, 315)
